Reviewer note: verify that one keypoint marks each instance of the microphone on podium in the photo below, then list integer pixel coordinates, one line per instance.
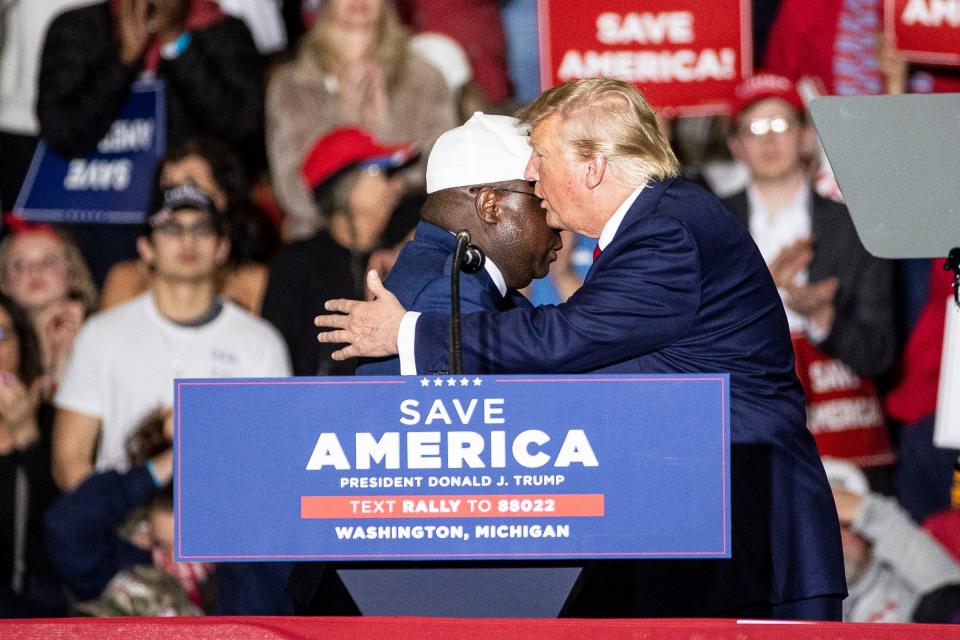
(469, 258)
(472, 259)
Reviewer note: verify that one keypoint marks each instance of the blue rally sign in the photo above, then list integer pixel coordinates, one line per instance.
(114, 183)
(453, 467)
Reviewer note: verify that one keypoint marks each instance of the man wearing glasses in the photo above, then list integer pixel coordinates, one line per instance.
(836, 296)
(125, 359)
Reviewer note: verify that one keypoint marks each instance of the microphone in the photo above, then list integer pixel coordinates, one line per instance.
(470, 258)
(473, 257)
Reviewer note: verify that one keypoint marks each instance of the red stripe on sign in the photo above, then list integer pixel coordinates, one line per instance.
(562, 505)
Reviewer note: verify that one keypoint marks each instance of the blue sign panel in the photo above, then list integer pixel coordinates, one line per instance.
(114, 183)
(453, 467)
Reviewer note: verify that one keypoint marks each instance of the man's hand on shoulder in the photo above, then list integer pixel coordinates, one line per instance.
(367, 328)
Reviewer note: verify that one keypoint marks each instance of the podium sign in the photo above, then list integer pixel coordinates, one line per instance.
(114, 183)
(452, 467)
(685, 56)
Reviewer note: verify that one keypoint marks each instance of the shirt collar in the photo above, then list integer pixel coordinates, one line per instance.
(800, 202)
(494, 272)
(613, 224)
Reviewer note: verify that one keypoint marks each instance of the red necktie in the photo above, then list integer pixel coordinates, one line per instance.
(596, 252)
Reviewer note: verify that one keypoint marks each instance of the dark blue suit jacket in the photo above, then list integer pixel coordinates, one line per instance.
(421, 281)
(683, 288)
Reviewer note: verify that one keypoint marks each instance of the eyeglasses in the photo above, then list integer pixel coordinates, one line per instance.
(23, 266)
(523, 193)
(763, 126)
(202, 231)
(6, 333)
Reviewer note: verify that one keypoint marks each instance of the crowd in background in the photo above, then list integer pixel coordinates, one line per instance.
(262, 208)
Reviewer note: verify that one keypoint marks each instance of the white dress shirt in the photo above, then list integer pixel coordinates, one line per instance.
(775, 231)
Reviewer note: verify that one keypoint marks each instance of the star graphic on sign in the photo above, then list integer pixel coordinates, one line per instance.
(437, 382)
(452, 382)
(464, 382)
(424, 382)
(477, 382)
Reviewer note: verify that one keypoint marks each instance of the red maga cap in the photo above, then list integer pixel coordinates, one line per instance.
(347, 147)
(761, 86)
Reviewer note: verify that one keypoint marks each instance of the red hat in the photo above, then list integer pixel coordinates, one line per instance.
(761, 86)
(17, 224)
(347, 147)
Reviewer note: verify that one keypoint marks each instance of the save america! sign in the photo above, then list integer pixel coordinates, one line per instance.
(441, 467)
(686, 56)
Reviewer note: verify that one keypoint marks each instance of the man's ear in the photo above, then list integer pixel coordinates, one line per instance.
(145, 249)
(594, 170)
(487, 206)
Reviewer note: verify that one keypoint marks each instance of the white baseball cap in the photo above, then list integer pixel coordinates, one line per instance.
(484, 149)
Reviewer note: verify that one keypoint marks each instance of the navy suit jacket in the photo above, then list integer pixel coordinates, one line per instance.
(421, 281)
(683, 288)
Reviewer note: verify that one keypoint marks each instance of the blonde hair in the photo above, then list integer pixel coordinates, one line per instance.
(79, 282)
(389, 46)
(609, 118)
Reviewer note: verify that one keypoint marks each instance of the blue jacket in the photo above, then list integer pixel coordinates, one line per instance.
(87, 551)
(683, 288)
(421, 281)
(82, 529)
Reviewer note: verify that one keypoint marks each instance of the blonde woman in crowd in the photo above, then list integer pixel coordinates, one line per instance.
(353, 67)
(42, 271)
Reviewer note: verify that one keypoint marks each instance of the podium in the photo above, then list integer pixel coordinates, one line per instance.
(896, 162)
(498, 592)
(503, 485)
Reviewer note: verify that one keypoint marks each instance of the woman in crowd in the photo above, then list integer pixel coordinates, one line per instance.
(353, 67)
(209, 165)
(27, 583)
(43, 272)
(92, 57)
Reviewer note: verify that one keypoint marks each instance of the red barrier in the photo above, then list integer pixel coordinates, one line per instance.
(262, 628)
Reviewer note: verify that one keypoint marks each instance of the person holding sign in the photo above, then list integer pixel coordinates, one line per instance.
(92, 56)
(677, 286)
(119, 81)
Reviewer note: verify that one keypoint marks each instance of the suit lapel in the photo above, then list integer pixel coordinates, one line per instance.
(646, 201)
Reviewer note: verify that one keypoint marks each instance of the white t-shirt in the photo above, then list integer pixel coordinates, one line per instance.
(124, 361)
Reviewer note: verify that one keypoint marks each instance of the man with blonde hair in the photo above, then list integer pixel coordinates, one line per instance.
(677, 286)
